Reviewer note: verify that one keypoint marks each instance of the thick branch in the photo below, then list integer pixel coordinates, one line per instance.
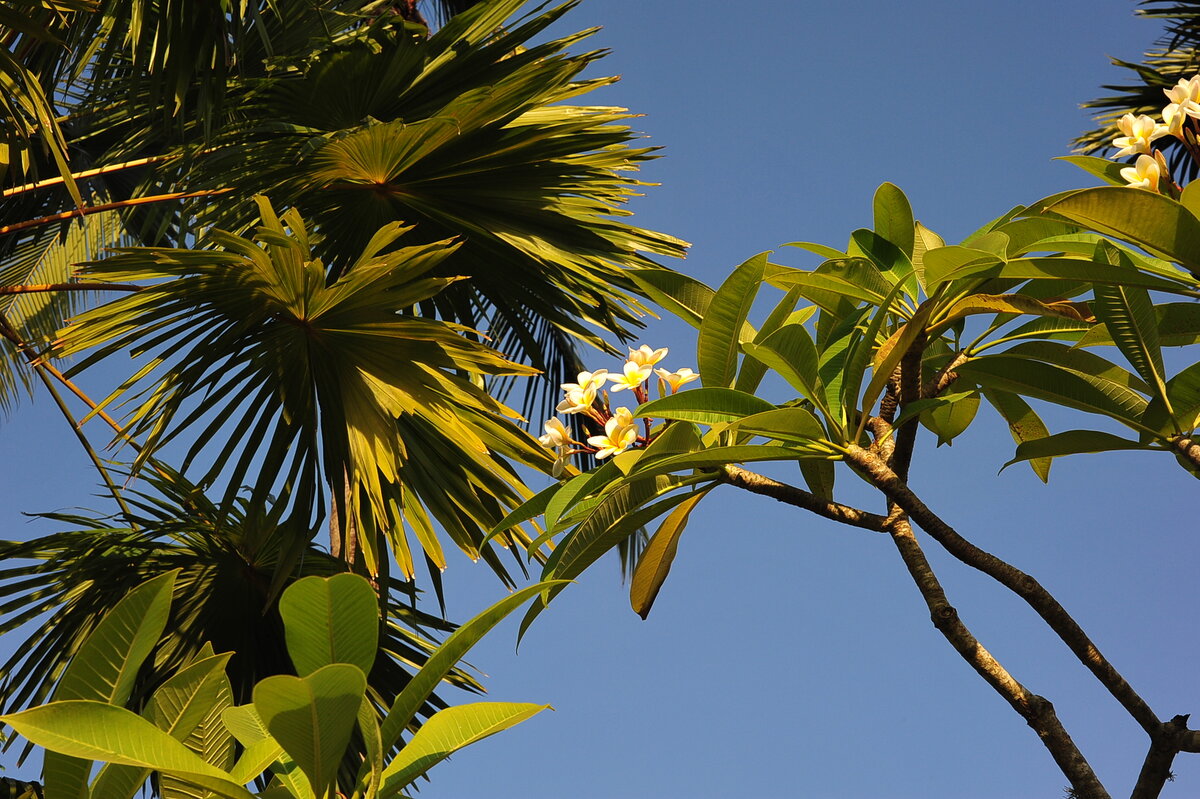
(1188, 449)
(760, 484)
(910, 391)
(1020, 583)
(945, 377)
(1156, 770)
(1037, 711)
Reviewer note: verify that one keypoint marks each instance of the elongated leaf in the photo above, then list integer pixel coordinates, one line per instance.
(105, 666)
(655, 563)
(1160, 224)
(1056, 384)
(330, 620)
(683, 296)
(1128, 313)
(717, 344)
(88, 730)
(790, 351)
(752, 370)
(446, 732)
(889, 355)
(944, 263)
(1012, 303)
(445, 657)
(785, 424)
(1023, 424)
(1071, 442)
(704, 406)
(312, 717)
(894, 217)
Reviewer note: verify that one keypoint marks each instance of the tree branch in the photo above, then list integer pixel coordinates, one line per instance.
(95, 209)
(1156, 770)
(760, 484)
(1036, 710)
(1020, 583)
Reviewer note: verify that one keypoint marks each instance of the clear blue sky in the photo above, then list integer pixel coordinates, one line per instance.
(787, 656)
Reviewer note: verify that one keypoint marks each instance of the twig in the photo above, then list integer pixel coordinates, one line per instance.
(95, 209)
(45, 287)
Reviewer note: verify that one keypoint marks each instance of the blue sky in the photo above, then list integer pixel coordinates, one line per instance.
(787, 656)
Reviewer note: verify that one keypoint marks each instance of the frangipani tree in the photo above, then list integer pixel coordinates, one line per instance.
(896, 332)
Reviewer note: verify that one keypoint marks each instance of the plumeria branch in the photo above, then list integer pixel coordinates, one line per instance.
(1020, 583)
(760, 484)
(1037, 711)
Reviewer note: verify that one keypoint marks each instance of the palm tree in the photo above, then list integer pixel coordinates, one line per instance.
(1174, 57)
(440, 218)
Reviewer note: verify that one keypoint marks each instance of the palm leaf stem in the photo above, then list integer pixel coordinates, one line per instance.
(39, 369)
(43, 287)
(95, 209)
(89, 173)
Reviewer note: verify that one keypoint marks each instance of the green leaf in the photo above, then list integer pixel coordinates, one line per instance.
(820, 249)
(1023, 423)
(944, 263)
(949, 420)
(793, 424)
(330, 620)
(717, 344)
(889, 355)
(1128, 313)
(446, 732)
(88, 730)
(715, 457)
(105, 666)
(790, 352)
(312, 717)
(445, 657)
(1103, 168)
(894, 217)
(1071, 442)
(1056, 384)
(1157, 223)
(679, 294)
(655, 563)
(704, 406)
(752, 370)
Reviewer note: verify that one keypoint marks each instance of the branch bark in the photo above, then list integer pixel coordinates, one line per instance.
(760, 484)
(1156, 769)
(1036, 710)
(1020, 583)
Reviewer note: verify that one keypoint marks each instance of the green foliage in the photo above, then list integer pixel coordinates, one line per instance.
(303, 723)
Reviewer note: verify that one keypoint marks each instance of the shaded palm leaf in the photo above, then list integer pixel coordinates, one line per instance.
(313, 385)
(223, 595)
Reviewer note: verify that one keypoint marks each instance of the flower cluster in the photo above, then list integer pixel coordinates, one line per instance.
(1179, 119)
(587, 396)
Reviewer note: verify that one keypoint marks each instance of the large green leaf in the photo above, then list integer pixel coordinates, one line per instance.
(704, 406)
(178, 707)
(1071, 442)
(1147, 219)
(683, 296)
(1056, 384)
(88, 730)
(330, 620)
(790, 351)
(894, 217)
(104, 669)
(1128, 313)
(717, 343)
(312, 717)
(446, 732)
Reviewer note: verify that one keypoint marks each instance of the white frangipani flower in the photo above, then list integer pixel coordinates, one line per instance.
(1139, 132)
(1174, 119)
(633, 376)
(1186, 95)
(1144, 174)
(594, 379)
(677, 378)
(620, 432)
(556, 434)
(644, 356)
(578, 400)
